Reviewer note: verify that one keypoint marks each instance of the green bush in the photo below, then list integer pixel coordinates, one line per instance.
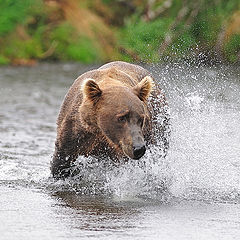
(71, 46)
(13, 12)
(232, 48)
(186, 34)
(44, 33)
(3, 60)
(83, 51)
(145, 38)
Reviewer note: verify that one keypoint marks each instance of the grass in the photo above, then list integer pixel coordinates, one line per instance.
(32, 29)
(204, 32)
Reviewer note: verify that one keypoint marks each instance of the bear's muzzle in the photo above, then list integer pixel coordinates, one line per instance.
(138, 151)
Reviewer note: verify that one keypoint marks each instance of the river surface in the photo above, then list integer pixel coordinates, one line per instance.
(194, 193)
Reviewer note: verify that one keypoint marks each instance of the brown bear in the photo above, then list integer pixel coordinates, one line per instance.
(115, 111)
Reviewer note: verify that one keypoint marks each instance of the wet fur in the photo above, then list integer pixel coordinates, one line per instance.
(79, 134)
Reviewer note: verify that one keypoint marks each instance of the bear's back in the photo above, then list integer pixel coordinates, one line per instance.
(134, 71)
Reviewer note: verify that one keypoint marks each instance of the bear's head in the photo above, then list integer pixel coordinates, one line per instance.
(119, 112)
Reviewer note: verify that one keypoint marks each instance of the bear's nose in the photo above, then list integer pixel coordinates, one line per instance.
(139, 151)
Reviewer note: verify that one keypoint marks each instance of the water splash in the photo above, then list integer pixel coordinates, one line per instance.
(194, 101)
(203, 158)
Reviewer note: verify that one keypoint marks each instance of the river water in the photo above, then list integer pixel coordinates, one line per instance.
(192, 194)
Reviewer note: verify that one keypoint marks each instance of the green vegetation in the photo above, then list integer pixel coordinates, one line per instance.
(74, 47)
(103, 30)
(12, 13)
(232, 48)
(185, 29)
(144, 38)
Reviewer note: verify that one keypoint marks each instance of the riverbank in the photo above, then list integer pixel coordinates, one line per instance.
(99, 31)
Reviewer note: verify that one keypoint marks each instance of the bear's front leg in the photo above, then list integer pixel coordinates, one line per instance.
(61, 164)
(65, 154)
(67, 149)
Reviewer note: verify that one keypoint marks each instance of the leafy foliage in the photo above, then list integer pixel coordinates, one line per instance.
(145, 30)
(145, 38)
(70, 46)
(181, 29)
(12, 13)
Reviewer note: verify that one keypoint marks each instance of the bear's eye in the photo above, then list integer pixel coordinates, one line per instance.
(140, 121)
(122, 119)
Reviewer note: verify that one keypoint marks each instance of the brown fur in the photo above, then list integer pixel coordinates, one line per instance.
(79, 130)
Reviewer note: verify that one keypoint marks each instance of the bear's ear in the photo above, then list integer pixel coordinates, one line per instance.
(144, 88)
(91, 90)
